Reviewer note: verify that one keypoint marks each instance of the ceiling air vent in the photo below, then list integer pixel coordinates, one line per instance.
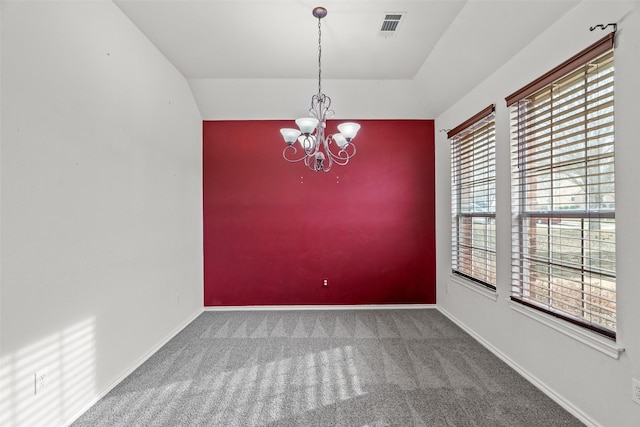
(391, 23)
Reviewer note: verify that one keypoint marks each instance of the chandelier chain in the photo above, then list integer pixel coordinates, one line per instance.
(319, 57)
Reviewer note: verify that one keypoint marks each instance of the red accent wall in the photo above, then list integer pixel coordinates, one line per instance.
(274, 230)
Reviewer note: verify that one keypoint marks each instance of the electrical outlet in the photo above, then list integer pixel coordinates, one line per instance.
(40, 382)
(635, 390)
(325, 283)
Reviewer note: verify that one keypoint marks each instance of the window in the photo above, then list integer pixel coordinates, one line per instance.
(473, 189)
(563, 198)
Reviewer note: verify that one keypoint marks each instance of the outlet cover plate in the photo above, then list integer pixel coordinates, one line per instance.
(40, 382)
(635, 390)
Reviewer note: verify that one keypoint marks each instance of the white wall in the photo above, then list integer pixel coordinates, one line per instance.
(269, 99)
(596, 387)
(101, 205)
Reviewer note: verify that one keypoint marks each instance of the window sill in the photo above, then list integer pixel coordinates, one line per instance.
(476, 287)
(597, 342)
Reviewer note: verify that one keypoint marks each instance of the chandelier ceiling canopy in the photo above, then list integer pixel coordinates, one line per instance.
(319, 152)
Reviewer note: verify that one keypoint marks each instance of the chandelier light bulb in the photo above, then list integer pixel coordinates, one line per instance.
(290, 135)
(349, 130)
(340, 140)
(307, 125)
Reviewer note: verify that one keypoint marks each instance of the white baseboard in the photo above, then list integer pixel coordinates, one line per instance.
(573, 410)
(135, 366)
(318, 307)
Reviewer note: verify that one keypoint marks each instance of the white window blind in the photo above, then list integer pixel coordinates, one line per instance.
(563, 198)
(473, 166)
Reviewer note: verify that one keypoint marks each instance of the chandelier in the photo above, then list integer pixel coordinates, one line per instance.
(319, 153)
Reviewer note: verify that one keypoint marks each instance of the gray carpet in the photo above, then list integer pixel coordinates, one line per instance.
(325, 368)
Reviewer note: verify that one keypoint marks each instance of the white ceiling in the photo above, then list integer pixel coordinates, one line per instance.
(461, 42)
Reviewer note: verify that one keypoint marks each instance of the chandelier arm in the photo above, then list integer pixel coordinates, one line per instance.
(293, 150)
(343, 155)
(328, 158)
(311, 151)
(351, 145)
(321, 107)
(310, 162)
(340, 160)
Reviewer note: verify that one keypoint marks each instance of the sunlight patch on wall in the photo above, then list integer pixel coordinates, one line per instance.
(65, 366)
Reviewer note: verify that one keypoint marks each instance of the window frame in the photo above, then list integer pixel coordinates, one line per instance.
(457, 135)
(523, 217)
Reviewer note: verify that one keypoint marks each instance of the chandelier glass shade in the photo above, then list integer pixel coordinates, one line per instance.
(319, 151)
